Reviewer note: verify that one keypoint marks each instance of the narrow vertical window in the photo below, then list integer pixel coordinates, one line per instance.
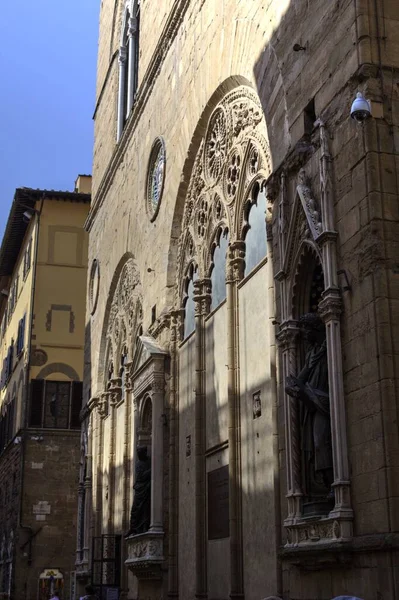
(189, 305)
(218, 275)
(128, 65)
(255, 240)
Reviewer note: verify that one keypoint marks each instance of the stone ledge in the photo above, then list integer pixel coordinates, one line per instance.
(313, 556)
(145, 554)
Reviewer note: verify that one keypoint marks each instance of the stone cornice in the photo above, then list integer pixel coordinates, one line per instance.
(165, 41)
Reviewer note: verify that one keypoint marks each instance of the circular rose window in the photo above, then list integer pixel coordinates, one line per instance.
(155, 177)
(94, 285)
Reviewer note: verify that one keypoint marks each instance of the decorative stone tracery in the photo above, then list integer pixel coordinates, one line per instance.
(125, 316)
(233, 154)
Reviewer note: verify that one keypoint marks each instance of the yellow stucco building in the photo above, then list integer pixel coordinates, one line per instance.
(43, 269)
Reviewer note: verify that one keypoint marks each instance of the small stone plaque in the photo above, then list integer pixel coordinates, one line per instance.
(218, 504)
(188, 446)
(256, 405)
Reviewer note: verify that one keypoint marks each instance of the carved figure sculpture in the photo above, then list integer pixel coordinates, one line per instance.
(140, 516)
(310, 387)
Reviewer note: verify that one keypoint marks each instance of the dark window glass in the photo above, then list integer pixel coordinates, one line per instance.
(77, 396)
(255, 240)
(56, 409)
(36, 402)
(218, 275)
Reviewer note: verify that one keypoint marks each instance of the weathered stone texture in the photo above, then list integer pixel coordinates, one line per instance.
(219, 46)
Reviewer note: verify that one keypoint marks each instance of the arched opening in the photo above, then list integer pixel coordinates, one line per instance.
(255, 229)
(218, 268)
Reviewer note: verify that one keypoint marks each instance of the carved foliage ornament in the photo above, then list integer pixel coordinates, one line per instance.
(125, 314)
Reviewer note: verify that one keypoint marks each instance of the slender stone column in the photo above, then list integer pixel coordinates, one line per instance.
(121, 91)
(202, 299)
(114, 397)
(157, 396)
(175, 337)
(287, 340)
(235, 273)
(102, 411)
(127, 447)
(330, 310)
(132, 75)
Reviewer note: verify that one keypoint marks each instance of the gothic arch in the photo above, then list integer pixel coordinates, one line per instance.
(306, 260)
(123, 315)
(193, 168)
(228, 153)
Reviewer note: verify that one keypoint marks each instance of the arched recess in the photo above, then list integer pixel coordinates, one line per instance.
(308, 266)
(58, 368)
(245, 133)
(123, 315)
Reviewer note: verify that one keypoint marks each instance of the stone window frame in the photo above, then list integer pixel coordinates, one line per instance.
(128, 63)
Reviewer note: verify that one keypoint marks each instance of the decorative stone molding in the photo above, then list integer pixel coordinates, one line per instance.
(145, 555)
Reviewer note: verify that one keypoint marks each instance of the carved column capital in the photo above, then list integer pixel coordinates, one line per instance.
(202, 296)
(132, 27)
(176, 325)
(288, 335)
(115, 390)
(235, 266)
(158, 384)
(330, 307)
(122, 55)
(103, 404)
(128, 376)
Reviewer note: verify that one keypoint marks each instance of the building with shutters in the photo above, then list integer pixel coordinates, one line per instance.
(43, 269)
(243, 303)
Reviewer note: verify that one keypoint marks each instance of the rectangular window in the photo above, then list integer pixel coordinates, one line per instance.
(27, 258)
(21, 335)
(55, 404)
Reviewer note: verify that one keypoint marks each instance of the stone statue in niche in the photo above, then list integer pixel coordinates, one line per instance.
(310, 388)
(140, 516)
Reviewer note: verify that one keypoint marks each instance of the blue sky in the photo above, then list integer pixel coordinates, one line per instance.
(48, 59)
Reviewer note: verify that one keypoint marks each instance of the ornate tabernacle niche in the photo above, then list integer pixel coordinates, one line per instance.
(145, 537)
(319, 509)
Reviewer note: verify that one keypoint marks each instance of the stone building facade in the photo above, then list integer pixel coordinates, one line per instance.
(43, 271)
(236, 207)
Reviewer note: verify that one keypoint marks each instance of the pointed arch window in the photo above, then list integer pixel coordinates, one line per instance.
(128, 64)
(218, 274)
(188, 303)
(255, 239)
